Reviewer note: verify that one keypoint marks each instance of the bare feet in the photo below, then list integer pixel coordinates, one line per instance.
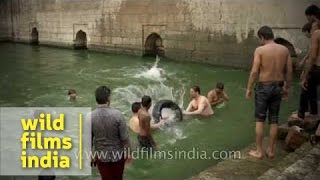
(256, 154)
(269, 154)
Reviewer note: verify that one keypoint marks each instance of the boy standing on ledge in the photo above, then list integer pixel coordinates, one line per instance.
(272, 66)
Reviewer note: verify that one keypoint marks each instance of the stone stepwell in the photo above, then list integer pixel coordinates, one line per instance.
(297, 158)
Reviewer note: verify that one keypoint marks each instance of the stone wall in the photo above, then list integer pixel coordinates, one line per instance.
(5, 20)
(219, 32)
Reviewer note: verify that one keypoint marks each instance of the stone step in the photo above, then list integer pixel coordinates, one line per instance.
(303, 167)
(309, 124)
(299, 165)
(251, 168)
(314, 176)
(284, 166)
(285, 162)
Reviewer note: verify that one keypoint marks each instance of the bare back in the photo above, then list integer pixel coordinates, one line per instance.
(273, 62)
(134, 124)
(144, 122)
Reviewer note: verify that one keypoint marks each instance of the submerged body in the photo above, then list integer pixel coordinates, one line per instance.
(199, 105)
(217, 95)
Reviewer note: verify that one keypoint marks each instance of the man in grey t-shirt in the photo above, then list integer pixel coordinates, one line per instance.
(110, 137)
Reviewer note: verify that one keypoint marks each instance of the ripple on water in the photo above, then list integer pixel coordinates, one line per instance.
(175, 134)
(133, 93)
(42, 100)
(155, 74)
(195, 121)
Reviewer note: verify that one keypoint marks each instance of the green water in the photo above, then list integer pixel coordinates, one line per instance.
(41, 76)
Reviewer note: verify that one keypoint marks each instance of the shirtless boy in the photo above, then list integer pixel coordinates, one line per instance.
(199, 105)
(272, 66)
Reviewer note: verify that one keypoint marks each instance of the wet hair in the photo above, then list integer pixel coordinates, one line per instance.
(135, 107)
(72, 91)
(146, 101)
(311, 10)
(307, 27)
(102, 94)
(266, 33)
(196, 89)
(220, 85)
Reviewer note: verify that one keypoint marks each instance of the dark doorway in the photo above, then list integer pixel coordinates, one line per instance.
(34, 36)
(287, 44)
(81, 40)
(153, 45)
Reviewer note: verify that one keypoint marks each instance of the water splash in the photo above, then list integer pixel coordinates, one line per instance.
(158, 91)
(221, 105)
(123, 98)
(133, 93)
(176, 134)
(155, 73)
(157, 61)
(168, 115)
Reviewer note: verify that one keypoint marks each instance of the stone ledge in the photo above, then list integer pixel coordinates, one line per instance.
(301, 168)
(286, 162)
(248, 167)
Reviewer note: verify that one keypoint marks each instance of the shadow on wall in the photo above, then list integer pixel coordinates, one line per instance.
(34, 36)
(287, 44)
(81, 40)
(153, 46)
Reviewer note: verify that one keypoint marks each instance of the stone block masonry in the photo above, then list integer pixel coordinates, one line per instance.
(221, 32)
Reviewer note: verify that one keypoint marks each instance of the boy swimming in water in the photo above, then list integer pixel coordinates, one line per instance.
(72, 93)
(199, 105)
(218, 95)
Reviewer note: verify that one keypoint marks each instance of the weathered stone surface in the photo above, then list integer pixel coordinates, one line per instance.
(314, 175)
(249, 168)
(295, 138)
(244, 168)
(303, 164)
(271, 174)
(310, 124)
(295, 122)
(318, 131)
(212, 31)
(293, 157)
(303, 167)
